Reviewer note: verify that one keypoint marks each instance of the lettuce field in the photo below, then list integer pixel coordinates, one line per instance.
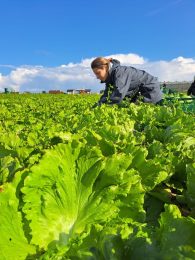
(103, 183)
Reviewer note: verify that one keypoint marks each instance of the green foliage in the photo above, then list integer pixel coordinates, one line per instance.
(113, 182)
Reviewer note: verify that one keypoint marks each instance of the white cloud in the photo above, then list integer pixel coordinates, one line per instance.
(129, 59)
(179, 69)
(79, 75)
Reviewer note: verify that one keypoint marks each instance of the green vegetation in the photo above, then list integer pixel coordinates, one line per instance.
(113, 182)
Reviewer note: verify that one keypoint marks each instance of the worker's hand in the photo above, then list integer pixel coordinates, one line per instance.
(116, 97)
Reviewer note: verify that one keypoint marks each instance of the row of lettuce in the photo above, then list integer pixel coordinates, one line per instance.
(111, 182)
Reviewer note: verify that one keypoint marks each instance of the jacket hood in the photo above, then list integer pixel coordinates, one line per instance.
(115, 63)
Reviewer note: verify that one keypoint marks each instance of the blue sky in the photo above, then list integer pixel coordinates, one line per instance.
(45, 36)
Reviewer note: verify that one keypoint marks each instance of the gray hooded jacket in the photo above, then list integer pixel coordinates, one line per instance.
(126, 81)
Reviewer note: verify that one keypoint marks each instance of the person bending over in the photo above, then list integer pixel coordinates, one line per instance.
(191, 90)
(125, 82)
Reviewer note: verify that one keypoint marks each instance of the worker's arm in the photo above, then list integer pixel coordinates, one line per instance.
(122, 84)
(104, 97)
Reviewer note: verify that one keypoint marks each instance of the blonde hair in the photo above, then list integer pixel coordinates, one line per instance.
(100, 62)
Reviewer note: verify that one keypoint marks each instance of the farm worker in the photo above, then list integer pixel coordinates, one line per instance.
(125, 82)
(164, 84)
(191, 90)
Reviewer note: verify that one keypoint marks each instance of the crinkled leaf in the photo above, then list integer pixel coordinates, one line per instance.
(59, 194)
(152, 172)
(191, 184)
(176, 234)
(13, 243)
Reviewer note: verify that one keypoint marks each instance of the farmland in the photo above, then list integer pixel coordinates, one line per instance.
(111, 182)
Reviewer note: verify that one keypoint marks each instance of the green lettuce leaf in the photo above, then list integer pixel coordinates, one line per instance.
(72, 188)
(191, 185)
(64, 193)
(176, 234)
(151, 171)
(13, 243)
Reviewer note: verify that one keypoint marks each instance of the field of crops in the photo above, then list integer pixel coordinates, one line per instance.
(111, 182)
